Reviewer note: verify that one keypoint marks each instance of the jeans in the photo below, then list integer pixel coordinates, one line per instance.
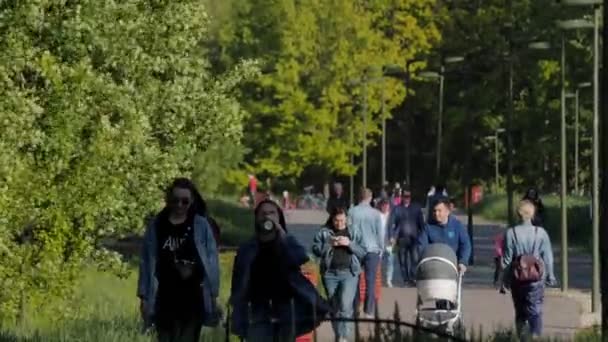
(389, 259)
(528, 302)
(341, 288)
(370, 266)
(408, 260)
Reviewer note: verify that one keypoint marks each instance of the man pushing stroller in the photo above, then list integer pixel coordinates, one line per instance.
(446, 229)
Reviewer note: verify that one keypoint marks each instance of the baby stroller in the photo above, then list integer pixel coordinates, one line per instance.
(439, 286)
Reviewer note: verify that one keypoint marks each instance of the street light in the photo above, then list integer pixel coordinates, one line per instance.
(595, 188)
(577, 133)
(403, 74)
(496, 156)
(441, 76)
(534, 45)
(364, 82)
(565, 25)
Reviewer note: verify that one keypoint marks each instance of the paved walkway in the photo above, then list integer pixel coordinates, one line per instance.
(484, 308)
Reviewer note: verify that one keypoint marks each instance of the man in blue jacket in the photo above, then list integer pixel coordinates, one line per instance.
(445, 228)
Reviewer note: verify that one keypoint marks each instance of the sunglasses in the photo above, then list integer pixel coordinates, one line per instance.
(185, 201)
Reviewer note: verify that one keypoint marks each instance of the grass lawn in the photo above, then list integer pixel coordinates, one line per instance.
(104, 309)
(494, 207)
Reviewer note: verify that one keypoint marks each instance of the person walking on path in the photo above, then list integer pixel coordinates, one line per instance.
(499, 243)
(337, 199)
(539, 213)
(405, 224)
(388, 257)
(366, 221)
(270, 297)
(340, 252)
(528, 266)
(179, 277)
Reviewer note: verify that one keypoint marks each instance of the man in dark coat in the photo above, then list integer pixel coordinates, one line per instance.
(405, 223)
(337, 199)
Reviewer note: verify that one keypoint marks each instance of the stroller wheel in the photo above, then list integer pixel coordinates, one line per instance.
(459, 330)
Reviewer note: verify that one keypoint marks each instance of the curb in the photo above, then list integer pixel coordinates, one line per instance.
(587, 318)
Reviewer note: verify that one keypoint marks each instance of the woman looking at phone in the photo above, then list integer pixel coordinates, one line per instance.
(340, 254)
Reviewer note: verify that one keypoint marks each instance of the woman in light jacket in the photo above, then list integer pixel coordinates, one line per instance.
(179, 272)
(527, 239)
(340, 253)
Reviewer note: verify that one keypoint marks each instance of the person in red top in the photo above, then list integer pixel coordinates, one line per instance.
(499, 241)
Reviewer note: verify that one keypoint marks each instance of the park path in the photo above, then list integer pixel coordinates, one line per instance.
(484, 308)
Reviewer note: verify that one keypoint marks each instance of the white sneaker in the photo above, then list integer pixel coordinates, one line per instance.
(342, 339)
(389, 284)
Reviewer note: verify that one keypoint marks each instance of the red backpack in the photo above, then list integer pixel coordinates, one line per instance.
(526, 267)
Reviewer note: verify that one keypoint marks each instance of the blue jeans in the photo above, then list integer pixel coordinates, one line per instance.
(370, 266)
(389, 259)
(528, 302)
(341, 288)
(408, 259)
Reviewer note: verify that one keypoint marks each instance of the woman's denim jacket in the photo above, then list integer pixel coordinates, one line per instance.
(292, 257)
(323, 249)
(147, 284)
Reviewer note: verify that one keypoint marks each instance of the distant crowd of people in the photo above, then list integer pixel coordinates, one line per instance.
(179, 276)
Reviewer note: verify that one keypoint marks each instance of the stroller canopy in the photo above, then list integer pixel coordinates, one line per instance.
(438, 261)
(437, 273)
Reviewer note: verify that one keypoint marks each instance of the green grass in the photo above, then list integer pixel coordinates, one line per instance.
(104, 309)
(494, 207)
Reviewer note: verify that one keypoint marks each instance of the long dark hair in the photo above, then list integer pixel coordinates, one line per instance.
(198, 206)
(282, 220)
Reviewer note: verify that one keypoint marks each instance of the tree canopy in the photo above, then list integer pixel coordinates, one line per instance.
(102, 104)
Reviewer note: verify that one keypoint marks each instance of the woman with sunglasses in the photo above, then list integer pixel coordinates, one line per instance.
(179, 272)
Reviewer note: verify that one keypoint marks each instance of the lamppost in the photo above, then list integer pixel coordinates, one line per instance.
(364, 81)
(577, 133)
(565, 25)
(441, 77)
(510, 54)
(597, 5)
(496, 156)
(397, 72)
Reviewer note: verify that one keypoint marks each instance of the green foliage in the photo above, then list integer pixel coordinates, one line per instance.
(213, 164)
(494, 207)
(236, 222)
(103, 103)
(316, 56)
(107, 311)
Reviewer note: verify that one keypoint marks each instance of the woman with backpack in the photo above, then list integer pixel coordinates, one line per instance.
(528, 267)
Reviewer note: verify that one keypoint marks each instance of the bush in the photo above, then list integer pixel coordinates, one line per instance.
(494, 207)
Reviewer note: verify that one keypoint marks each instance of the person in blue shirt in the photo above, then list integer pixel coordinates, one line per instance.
(366, 221)
(445, 228)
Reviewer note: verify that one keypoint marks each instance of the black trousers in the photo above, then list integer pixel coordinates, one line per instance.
(179, 329)
(408, 260)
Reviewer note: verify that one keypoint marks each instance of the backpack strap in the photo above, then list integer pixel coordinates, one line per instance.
(534, 243)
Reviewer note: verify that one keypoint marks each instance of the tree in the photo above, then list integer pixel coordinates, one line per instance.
(315, 54)
(103, 103)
